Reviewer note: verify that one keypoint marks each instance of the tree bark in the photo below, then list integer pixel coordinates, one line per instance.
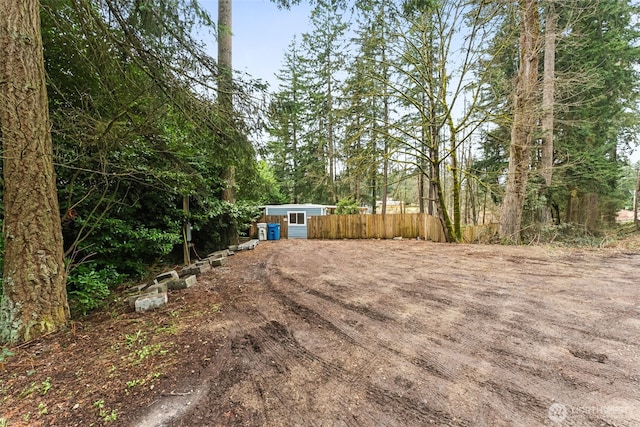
(34, 294)
(385, 132)
(548, 98)
(636, 193)
(225, 105)
(523, 123)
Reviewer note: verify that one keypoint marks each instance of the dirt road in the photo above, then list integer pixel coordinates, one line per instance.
(410, 333)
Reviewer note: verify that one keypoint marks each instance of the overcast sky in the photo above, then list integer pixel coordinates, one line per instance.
(261, 34)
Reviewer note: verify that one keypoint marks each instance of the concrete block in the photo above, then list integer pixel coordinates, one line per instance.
(189, 270)
(195, 269)
(150, 301)
(219, 262)
(248, 245)
(161, 287)
(218, 254)
(144, 286)
(131, 299)
(204, 267)
(167, 276)
(183, 283)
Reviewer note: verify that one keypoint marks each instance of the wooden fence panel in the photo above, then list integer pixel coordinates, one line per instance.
(409, 226)
(271, 219)
(479, 233)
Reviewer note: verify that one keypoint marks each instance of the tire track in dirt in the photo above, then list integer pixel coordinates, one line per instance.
(421, 336)
(387, 352)
(505, 364)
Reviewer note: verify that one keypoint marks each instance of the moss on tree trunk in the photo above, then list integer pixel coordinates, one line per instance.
(34, 294)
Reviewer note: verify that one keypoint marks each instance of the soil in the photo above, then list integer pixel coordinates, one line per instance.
(355, 333)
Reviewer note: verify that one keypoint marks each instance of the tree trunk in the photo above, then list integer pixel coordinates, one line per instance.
(385, 132)
(225, 105)
(548, 89)
(636, 193)
(523, 123)
(330, 143)
(422, 162)
(34, 294)
(455, 181)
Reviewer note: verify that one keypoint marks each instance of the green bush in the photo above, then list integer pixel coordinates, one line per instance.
(347, 207)
(89, 287)
(128, 245)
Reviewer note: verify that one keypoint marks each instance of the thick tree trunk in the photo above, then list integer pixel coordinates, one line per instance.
(34, 294)
(523, 123)
(225, 104)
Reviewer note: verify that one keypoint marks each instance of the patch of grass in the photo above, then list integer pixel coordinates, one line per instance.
(132, 383)
(131, 340)
(28, 391)
(46, 386)
(106, 414)
(42, 409)
(171, 329)
(148, 351)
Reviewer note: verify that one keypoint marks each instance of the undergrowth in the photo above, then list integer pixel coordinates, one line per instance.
(574, 235)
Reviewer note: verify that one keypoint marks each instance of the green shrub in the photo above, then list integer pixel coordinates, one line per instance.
(347, 207)
(89, 287)
(128, 245)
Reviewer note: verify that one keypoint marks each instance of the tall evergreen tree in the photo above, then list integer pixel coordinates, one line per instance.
(34, 300)
(325, 50)
(597, 60)
(286, 125)
(524, 119)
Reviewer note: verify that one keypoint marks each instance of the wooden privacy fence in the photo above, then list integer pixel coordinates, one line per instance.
(479, 233)
(409, 226)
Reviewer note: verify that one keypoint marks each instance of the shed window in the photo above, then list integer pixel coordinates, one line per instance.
(297, 218)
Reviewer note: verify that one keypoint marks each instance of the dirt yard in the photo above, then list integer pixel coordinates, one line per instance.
(357, 333)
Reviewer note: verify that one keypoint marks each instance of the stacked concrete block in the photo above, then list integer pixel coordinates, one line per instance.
(184, 283)
(204, 265)
(167, 277)
(219, 262)
(131, 300)
(154, 294)
(251, 244)
(220, 254)
(150, 301)
(194, 269)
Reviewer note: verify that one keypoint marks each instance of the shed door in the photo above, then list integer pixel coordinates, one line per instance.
(297, 224)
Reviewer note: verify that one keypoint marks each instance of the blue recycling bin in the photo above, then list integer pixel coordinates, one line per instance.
(273, 231)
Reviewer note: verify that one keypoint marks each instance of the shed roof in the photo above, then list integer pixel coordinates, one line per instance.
(299, 206)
